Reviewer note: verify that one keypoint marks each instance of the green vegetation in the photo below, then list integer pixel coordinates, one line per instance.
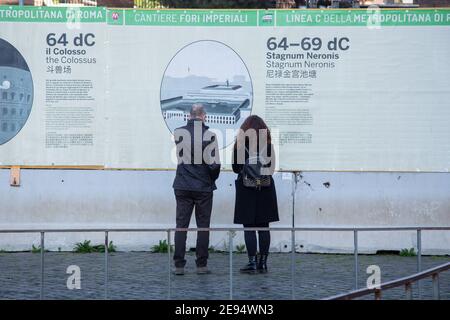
(37, 249)
(101, 248)
(162, 247)
(148, 4)
(83, 247)
(240, 248)
(408, 252)
(86, 247)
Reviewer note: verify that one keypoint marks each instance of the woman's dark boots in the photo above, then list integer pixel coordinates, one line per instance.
(251, 266)
(256, 265)
(262, 263)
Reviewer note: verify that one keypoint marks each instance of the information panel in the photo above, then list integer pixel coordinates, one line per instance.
(341, 90)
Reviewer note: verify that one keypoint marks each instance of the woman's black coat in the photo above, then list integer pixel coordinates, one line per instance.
(254, 206)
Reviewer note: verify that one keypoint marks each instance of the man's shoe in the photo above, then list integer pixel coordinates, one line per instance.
(250, 267)
(178, 271)
(203, 270)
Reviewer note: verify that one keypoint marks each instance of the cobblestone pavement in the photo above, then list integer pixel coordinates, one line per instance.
(144, 275)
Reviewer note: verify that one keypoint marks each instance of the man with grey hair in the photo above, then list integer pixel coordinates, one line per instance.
(197, 170)
(198, 111)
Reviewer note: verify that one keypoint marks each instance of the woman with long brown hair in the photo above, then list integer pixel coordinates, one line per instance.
(256, 200)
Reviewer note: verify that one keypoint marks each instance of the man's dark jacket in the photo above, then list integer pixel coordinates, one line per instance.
(199, 177)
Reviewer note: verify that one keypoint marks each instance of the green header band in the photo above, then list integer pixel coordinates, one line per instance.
(53, 14)
(369, 18)
(204, 18)
(233, 18)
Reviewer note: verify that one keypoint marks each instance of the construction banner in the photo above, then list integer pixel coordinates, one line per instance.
(341, 90)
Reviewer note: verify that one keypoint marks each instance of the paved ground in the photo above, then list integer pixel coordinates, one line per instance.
(143, 275)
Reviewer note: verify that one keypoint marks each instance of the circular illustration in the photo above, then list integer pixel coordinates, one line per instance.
(16, 91)
(212, 74)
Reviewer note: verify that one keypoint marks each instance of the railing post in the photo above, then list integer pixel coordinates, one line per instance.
(408, 291)
(293, 264)
(169, 288)
(230, 243)
(377, 294)
(42, 265)
(419, 258)
(436, 294)
(295, 176)
(355, 253)
(106, 264)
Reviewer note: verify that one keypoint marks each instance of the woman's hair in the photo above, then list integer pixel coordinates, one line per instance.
(256, 123)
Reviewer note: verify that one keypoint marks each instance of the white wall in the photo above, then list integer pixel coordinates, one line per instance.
(136, 199)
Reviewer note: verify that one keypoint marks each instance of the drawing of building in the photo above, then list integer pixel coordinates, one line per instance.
(223, 104)
(16, 91)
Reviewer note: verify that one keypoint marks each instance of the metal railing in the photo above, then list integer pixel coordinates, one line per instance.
(405, 281)
(230, 231)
